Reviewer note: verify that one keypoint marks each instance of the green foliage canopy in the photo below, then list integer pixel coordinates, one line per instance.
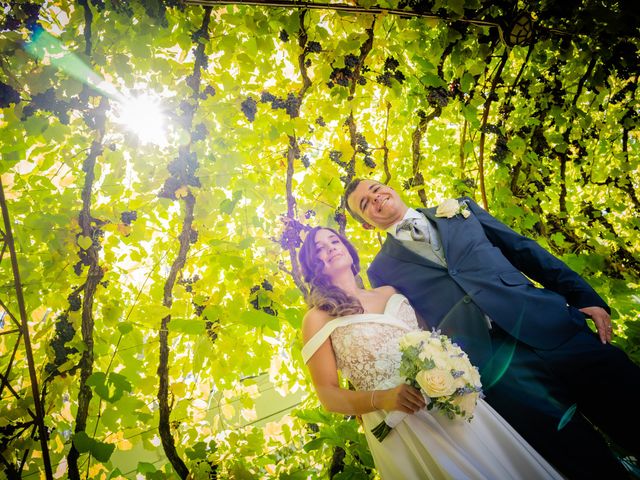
(135, 255)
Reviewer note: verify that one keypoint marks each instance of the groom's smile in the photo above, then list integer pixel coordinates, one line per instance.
(378, 204)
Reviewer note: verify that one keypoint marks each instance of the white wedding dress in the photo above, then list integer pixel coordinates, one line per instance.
(427, 444)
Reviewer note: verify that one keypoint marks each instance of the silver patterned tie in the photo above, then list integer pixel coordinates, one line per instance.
(418, 233)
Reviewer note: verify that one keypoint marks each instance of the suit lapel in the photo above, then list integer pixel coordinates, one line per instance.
(442, 225)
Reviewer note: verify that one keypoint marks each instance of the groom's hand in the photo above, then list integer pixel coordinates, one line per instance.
(602, 320)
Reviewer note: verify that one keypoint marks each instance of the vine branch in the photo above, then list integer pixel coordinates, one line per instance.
(185, 166)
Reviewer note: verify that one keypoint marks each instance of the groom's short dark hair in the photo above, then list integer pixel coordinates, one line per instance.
(353, 184)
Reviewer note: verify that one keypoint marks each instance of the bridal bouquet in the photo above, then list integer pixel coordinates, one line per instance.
(442, 371)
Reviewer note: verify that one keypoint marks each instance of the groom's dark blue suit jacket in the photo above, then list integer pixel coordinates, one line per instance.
(485, 259)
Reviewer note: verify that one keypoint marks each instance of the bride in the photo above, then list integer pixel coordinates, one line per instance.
(345, 330)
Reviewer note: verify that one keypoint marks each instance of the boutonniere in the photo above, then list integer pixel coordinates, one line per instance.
(451, 207)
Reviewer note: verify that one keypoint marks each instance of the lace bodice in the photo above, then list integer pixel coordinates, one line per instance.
(367, 353)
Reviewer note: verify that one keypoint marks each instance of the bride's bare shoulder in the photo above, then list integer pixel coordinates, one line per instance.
(386, 290)
(312, 322)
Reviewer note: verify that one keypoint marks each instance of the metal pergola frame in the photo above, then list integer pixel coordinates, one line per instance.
(22, 332)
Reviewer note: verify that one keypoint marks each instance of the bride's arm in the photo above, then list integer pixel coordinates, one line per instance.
(324, 373)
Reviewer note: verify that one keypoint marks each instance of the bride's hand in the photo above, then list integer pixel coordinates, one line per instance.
(403, 397)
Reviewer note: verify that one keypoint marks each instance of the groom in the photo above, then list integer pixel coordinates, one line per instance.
(543, 370)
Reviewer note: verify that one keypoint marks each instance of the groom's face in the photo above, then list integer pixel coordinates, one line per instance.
(379, 205)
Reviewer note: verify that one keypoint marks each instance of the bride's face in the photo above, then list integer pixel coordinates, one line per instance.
(332, 253)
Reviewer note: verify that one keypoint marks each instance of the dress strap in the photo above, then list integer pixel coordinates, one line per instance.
(321, 335)
(394, 302)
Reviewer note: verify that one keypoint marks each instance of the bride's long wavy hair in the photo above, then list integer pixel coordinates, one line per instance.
(322, 294)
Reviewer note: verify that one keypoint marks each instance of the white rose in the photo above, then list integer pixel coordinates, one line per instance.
(460, 364)
(449, 208)
(433, 350)
(475, 377)
(467, 403)
(436, 382)
(413, 339)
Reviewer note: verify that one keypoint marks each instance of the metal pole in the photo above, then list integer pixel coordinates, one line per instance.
(39, 417)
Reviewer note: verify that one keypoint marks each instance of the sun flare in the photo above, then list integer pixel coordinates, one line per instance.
(143, 116)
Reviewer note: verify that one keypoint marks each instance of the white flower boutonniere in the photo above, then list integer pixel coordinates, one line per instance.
(451, 207)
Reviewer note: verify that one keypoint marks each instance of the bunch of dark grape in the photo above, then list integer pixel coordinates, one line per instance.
(290, 238)
(249, 108)
(362, 146)
(470, 183)
(347, 74)
(99, 4)
(389, 71)
(506, 109)
(193, 236)
(268, 309)
(157, 11)
(340, 76)
(336, 157)
(313, 47)
(47, 101)
(454, 89)
(309, 213)
(391, 63)
(201, 59)
(188, 109)
(95, 117)
(9, 24)
(211, 327)
(291, 104)
(78, 267)
(320, 121)
(182, 170)
(123, 8)
(539, 142)
(199, 133)
(197, 308)
(284, 36)
(438, 97)
(169, 188)
(305, 161)
(209, 91)
(30, 13)
(75, 302)
(8, 95)
(500, 150)
(351, 60)
(361, 143)
(192, 82)
(128, 217)
(64, 333)
(184, 167)
(625, 59)
(491, 128)
(266, 97)
(198, 34)
(188, 282)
